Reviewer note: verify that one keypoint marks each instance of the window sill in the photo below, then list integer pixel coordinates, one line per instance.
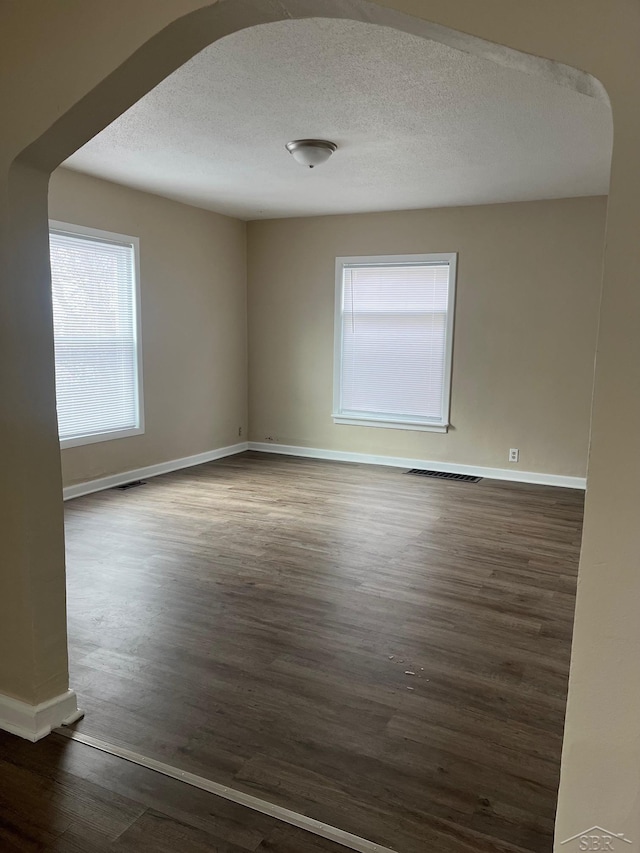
(96, 437)
(353, 420)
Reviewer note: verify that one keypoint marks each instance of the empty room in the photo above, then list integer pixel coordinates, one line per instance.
(306, 448)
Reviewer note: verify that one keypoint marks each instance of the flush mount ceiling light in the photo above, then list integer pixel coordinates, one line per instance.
(310, 152)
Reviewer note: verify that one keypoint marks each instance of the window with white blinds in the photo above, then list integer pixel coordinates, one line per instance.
(393, 341)
(96, 331)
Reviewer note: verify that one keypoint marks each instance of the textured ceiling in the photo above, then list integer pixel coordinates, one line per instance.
(418, 124)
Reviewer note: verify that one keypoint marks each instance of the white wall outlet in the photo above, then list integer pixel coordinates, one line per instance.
(514, 454)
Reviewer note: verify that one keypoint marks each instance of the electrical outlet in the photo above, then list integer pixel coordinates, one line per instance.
(514, 454)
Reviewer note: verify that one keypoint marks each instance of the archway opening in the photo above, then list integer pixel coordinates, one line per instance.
(583, 81)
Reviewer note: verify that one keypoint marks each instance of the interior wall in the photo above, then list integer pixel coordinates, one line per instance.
(528, 290)
(194, 341)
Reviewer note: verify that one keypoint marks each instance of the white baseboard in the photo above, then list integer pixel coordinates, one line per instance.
(102, 483)
(34, 722)
(512, 474)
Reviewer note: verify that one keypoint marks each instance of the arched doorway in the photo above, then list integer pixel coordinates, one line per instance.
(26, 215)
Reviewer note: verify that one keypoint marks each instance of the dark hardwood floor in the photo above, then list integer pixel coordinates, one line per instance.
(383, 652)
(58, 796)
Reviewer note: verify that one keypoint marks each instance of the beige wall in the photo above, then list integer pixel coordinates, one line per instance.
(524, 339)
(528, 289)
(193, 294)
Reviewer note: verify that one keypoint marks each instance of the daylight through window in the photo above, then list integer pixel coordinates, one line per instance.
(96, 332)
(394, 329)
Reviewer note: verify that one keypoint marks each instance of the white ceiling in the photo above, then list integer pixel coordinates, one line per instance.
(417, 123)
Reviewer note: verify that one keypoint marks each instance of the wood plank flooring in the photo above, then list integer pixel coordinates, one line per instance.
(58, 796)
(383, 652)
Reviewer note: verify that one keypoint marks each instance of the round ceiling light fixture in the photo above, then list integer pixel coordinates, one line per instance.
(310, 152)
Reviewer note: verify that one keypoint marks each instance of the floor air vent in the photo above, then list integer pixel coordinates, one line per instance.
(131, 485)
(445, 475)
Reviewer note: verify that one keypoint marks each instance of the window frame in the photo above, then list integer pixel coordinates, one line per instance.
(389, 422)
(128, 240)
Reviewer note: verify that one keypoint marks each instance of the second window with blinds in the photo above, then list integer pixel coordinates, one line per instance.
(394, 341)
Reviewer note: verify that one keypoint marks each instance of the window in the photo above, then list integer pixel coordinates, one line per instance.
(96, 324)
(393, 341)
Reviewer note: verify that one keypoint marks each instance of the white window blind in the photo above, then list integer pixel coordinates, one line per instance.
(393, 340)
(97, 358)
